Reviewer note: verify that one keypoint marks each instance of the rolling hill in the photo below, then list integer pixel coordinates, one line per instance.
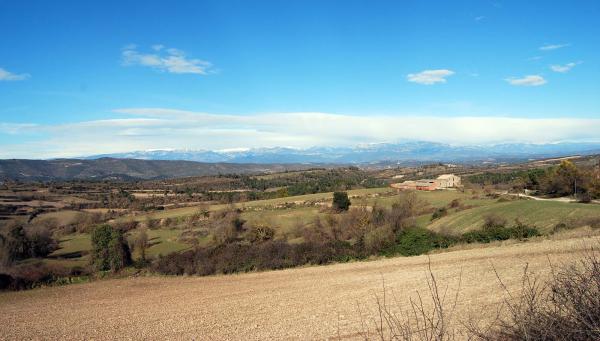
(126, 169)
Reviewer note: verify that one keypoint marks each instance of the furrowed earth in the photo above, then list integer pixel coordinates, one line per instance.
(318, 302)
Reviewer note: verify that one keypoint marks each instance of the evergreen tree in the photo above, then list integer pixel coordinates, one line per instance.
(341, 202)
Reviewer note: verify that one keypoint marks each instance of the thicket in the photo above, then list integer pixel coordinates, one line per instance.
(109, 249)
(565, 179)
(19, 242)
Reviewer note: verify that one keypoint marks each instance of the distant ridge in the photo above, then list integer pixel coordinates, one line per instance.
(125, 169)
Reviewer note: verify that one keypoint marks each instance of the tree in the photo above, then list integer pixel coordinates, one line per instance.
(141, 244)
(109, 249)
(341, 202)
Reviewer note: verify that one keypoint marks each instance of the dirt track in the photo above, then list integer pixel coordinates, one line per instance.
(307, 303)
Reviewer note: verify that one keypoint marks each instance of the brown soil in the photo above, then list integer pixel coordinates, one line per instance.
(307, 303)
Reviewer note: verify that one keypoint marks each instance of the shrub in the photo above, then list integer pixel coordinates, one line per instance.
(486, 235)
(584, 198)
(20, 243)
(493, 233)
(271, 254)
(567, 307)
(416, 241)
(40, 241)
(226, 225)
(403, 212)
(32, 275)
(493, 221)
(454, 203)
(341, 202)
(378, 239)
(128, 225)
(260, 234)
(440, 212)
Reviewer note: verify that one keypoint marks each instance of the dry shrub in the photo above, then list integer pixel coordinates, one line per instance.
(32, 275)
(593, 222)
(564, 307)
(493, 220)
(378, 239)
(128, 225)
(259, 233)
(455, 203)
(403, 212)
(295, 231)
(226, 226)
(355, 223)
(324, 229)
(567, 307)
(429, 318)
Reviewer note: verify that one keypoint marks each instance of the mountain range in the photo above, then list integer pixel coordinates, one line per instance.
(160, 164)
(418, 151)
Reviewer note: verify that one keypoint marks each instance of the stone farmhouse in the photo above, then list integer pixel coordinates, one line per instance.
(443, 181)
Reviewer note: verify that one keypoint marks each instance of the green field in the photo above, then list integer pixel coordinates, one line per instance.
(186, 211)
(544, 215)
(74, 249)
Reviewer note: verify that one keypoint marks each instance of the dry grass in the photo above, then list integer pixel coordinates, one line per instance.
(305, 303)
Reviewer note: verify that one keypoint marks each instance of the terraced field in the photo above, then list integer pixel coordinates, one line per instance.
(542, 214)
(185, 211)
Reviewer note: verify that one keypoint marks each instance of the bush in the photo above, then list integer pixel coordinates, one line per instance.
(455, 203)
(21, 243)
(226, 226)
(109, 249)
(492, 221)
(269, 255)
(32, 275)
(260, 233)
(493, 233)
(341, 202)
(416, 241)
(440, 212)
(378, 239)
(40, 241)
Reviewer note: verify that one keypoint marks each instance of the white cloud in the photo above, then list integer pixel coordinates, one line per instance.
(563, 68)
(550, 47)
(9, 76)
(163, 59)
(429, 77)
(479, 18)
(177, 129)
(531, 80)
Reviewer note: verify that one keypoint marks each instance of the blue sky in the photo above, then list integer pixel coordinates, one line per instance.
(86, 77)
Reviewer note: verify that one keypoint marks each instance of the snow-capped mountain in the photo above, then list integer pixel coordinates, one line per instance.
(406, 151)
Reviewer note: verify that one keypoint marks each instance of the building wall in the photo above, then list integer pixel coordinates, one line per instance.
(449, 180)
